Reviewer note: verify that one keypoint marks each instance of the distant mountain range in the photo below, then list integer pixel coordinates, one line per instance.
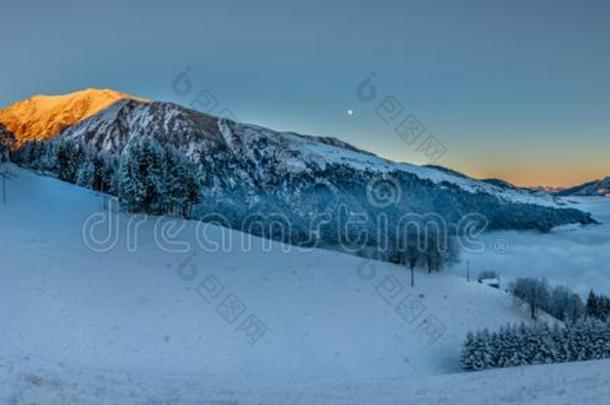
(246, 168)
(596, 188)
(547, 189)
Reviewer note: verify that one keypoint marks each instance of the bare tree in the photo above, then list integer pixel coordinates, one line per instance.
(532, 291)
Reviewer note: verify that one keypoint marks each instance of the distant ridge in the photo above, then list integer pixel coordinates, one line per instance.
(595, 188)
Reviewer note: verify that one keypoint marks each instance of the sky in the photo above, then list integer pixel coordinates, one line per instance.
(515, 90)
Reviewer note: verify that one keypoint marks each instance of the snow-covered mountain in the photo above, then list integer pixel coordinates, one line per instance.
(596, 188)
(43, 117)
(247, 169)
(200, 136)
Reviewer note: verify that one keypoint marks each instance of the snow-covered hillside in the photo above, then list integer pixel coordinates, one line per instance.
(321, 308)
(80, 325)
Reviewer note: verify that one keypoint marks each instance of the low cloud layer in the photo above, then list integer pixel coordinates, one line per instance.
(578, 257)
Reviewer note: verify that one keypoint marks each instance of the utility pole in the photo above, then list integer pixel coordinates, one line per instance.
(412, 277)
(3, 188)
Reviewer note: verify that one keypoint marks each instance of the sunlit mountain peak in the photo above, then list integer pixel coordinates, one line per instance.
(42, 117)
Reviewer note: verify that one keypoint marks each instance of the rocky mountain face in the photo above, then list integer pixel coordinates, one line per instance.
(318, 185)
(596, 188)
(246, 165)
(43, 117)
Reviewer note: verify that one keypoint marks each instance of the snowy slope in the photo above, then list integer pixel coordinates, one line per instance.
(571, 383)
(73, 319)
(333, 314)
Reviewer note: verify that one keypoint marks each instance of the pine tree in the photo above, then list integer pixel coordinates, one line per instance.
(4, 153)
(467, 356)
(70, 156)
(85, 173)
(130, 179)
(110, 182)
(192, 188)
(176, 187)
(152, 166)
(575, 309)
(48, 158)
(7, 142)
(585, 339)
(592, 305)
(598, 306)
(486, 351)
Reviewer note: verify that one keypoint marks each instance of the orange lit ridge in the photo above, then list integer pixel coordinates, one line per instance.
(42, 117)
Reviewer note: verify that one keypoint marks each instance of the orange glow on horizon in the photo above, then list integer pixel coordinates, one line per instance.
(550, 176)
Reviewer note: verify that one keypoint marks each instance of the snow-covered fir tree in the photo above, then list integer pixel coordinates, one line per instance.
(85, 173)
(585, 339)
(130, 180)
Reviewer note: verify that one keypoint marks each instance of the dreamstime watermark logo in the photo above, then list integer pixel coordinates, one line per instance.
(341, 226)
(100, 231)
(406, 126)
(501, 246)
(383, 191)
(470, 228)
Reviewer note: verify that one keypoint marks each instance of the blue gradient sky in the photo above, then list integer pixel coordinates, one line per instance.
(518, 90)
